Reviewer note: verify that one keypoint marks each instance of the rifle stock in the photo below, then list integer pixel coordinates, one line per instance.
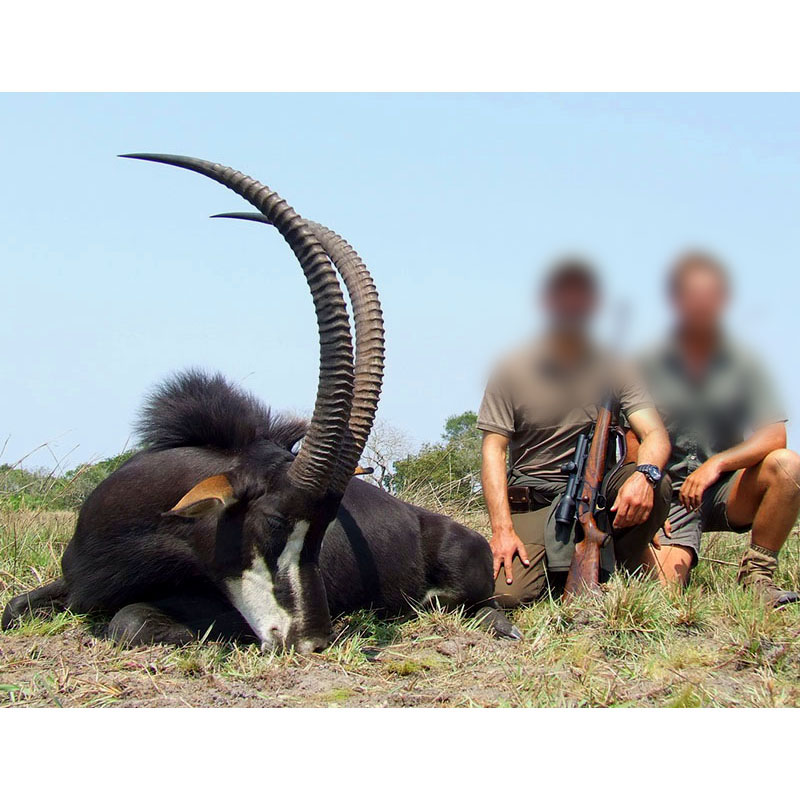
(584, 569)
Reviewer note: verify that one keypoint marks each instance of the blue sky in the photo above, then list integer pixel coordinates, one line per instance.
(113, 275)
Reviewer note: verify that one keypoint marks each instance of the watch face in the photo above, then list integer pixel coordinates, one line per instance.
(652, 472)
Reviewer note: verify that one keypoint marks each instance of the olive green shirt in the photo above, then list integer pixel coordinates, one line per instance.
(707, 415)
(542, 407)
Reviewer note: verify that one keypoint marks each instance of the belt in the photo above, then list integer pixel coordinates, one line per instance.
(523, 499)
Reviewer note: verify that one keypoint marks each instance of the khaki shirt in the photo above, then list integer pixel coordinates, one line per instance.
(713, 413)
(543, 407)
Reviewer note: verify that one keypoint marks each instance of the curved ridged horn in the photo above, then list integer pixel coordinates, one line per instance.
(315, 464)
(369, 342)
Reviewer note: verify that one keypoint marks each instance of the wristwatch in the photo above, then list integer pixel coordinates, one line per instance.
(651, 472)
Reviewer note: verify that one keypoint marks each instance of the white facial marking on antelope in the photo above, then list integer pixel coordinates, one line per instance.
(253, 595)
(289, 564)
(253, 592)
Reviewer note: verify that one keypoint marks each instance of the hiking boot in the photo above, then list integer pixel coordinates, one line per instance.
(757, 571)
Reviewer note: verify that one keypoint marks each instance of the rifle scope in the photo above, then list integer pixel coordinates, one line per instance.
(565, 510)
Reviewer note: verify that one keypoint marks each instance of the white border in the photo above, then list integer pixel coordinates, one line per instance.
(433, 45)
(397, 753)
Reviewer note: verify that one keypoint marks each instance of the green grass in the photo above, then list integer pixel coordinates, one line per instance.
(22, 489)
(635, 644)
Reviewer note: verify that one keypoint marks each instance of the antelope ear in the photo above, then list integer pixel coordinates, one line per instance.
(210, 496)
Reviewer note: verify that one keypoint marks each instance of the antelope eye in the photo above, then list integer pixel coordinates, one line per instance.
(275, 520)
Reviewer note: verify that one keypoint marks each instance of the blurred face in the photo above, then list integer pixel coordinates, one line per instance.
(570, 305)
(700, 300)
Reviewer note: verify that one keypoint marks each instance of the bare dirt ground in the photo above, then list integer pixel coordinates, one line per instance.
(635, 644)
(74, 668)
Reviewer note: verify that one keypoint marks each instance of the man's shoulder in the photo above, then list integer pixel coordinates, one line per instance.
(611, 362)
(741, 353)
(516, 358)
(657, 356)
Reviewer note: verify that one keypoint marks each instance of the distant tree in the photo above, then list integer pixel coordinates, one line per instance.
(450, 467)
(386, 445)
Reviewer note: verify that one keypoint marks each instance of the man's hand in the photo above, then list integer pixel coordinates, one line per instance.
(634, 501)
(691, 493)
(505, 545)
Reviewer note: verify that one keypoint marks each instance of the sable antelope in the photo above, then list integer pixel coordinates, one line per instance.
(218, 525)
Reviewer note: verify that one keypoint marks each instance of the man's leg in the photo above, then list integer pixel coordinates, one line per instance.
(678, 545)
(631, 544)
(529, 583)
(766, 496)
(670, 564)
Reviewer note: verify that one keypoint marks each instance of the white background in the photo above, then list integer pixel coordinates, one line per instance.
(415, 46)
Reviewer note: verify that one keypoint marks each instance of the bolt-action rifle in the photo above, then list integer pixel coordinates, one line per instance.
(583, 497)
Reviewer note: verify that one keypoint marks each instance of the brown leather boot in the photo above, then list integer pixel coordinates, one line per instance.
(757, 571)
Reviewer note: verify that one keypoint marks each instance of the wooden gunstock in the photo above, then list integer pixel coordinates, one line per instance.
(584, 569)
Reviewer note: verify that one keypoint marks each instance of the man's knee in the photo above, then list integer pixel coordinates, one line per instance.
(675, 563)
(783, 469)
(529, 585)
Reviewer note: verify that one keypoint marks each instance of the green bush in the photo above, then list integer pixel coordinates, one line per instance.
(451, 467)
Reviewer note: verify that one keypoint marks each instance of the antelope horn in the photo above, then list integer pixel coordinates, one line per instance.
(369, 342)
(315, 464)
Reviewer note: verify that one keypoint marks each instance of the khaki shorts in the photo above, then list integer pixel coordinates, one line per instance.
(688, 526)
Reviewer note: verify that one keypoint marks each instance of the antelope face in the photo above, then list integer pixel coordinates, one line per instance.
(264, 557)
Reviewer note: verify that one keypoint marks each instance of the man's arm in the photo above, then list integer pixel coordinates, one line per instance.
(654, 446)
(504, 543)
(747, 454)
(635, 497)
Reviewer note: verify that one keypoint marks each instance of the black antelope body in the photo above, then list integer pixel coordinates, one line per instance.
(218, 525)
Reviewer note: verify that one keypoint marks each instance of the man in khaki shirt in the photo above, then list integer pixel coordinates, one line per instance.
(537, 402)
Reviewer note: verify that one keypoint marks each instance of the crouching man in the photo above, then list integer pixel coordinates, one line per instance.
(710, 391)
(536, 404)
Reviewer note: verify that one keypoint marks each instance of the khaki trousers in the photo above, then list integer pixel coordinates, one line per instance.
(533, 582)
